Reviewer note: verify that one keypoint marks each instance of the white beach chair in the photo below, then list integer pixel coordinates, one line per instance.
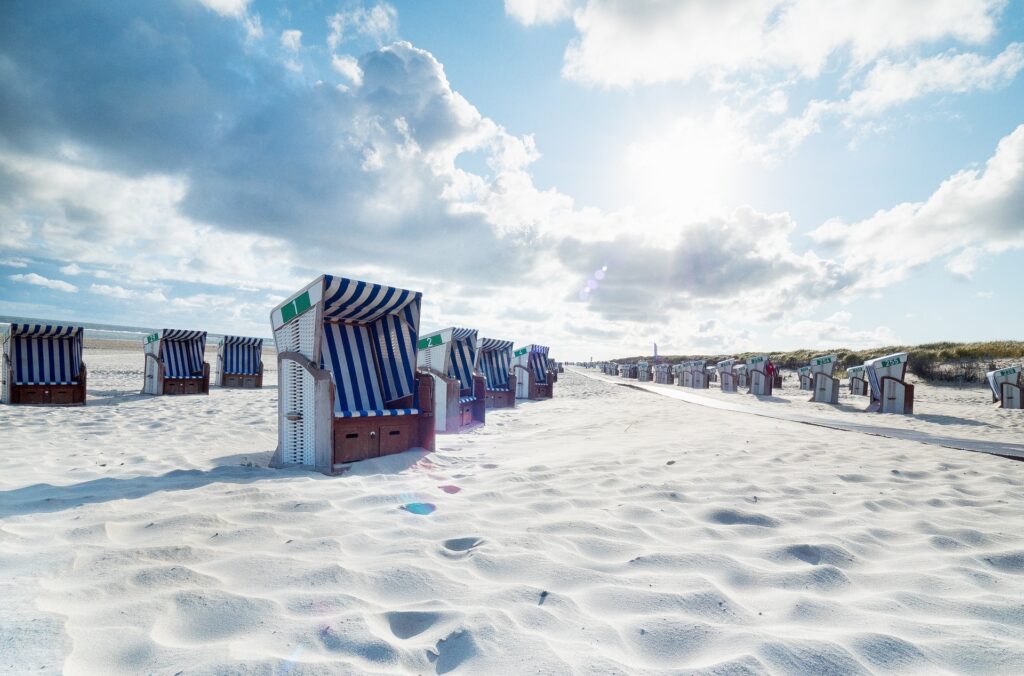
(176, 363)
(727, 374)
(858, 381)
(759, 382)
(697, 374)
(494, 361)
(460, 396)
(663, 374)
(806, 381)
(890, 393)
(825, 387)
(712, 373)
(530, 367)
(1006, 386)
(240, 362)
(643, 372)
(43, 365)
(349, 390)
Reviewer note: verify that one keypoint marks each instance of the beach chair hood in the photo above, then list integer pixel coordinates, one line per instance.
(457, 360)
(43, 354)
(241, 355)
(495, 361)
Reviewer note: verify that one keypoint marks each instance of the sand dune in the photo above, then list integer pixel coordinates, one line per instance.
(605, 531)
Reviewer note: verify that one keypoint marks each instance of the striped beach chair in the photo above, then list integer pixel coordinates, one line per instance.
(494, 361)
(240, 362)
(758, 381)
(43, 365)
(175, 363)
(348, 386)
(729, 377)
(530, 366)
(449, 357)
(858, 381)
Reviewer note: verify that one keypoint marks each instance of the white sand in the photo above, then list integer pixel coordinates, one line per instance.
(606, 531)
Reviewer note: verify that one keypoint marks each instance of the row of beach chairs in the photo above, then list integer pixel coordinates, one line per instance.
(882, 378)
(356, 379)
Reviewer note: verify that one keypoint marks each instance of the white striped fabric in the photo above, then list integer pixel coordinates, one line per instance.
(463, 356)
(394, 345)
(466, 400)
(353, 301)
(377, 413)
(539, 363)
(182, 353)
(495, 361)
(241, 355)
(349, 355)
(45, 354)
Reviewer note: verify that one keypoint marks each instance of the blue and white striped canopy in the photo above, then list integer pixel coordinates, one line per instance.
(43, 354)
(241, 355)
(539, 363)
(182, 353)
(495, 362)
(463, 356)
(370, 333)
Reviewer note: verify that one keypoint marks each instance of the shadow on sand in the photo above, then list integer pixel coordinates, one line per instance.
(233, 469)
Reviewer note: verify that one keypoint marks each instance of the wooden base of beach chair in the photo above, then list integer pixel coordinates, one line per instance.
(897, 397)
(50, 395)
(760, 384)
(500, 398)
(1011, 396)
(539, 391)
(177, 386)
(858, 387)
(777, 381)
(826, 389)
(357, 439)
(244, 381)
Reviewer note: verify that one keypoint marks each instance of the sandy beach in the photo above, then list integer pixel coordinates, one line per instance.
(608, 530)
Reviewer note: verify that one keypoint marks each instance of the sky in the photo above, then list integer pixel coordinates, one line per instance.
(592, 175)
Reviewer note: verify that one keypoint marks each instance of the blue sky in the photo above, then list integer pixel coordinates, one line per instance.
(591, 174)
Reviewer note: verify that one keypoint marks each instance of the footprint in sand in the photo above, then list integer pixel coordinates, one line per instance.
(463, 544)
(451, 490)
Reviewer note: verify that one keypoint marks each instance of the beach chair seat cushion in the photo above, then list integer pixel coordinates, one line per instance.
(374, 413)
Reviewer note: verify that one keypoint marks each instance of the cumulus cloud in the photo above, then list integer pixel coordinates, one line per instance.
(973, 212)
(348, 67)
(112, 291)
(378, 23)
(836, 330)
(235, 9)
(39, 280)
(529, 12)
(72, 269)
(291, 40)
(622, 43)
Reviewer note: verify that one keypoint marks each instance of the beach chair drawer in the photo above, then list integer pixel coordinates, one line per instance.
(397, 437)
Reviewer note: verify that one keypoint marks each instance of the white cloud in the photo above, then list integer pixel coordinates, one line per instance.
(72, 269)
(529, 12)
(973, 213)
(14, 262)
(347, 66)
(39, 280)
(291, 40)
(378, 23)
(835, 331)
(890, 84)
(112, 291)
(234, 9)
(622, 43)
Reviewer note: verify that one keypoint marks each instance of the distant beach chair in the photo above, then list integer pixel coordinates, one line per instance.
(825, 387)
(740, 369)
(663, 374)
(176, 363)
(806, 381)
(1006, 386)
(712, 373)
(643, 372)
(494, 361)
(240, 362)
(449, 357)
(348, 386)
(858, 381)
(530, 366)
(890, 393)
(43, 365)
(757, 375)
(727, 372)
(693, 374)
